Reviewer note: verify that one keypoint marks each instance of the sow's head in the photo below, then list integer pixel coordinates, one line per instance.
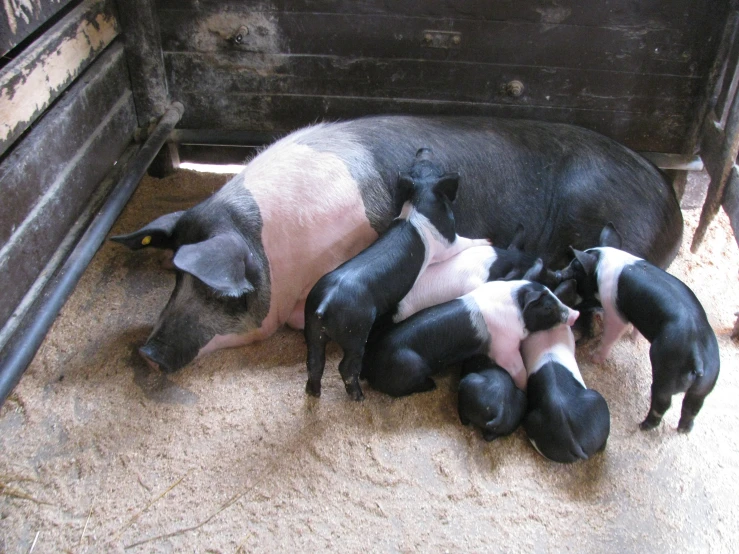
(221, 277)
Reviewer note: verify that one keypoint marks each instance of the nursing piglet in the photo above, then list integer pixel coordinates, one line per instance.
(488, 398)
(565, 420)
(344, 303)
(491, 320)
(463, 273)
(684, 351)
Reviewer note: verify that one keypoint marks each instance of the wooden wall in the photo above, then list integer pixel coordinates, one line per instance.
(633, 70)
(66, 115)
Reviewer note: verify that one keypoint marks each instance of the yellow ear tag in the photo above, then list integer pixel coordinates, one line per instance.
(145, 241)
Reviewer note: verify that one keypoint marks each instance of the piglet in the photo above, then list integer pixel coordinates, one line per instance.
(684, 350)
(463, 273)
(488, 398)
(344, 303)
(491, 320)
(565, 420)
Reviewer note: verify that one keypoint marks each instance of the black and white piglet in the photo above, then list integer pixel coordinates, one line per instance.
(488, 398)
(491, 320)
(344, 304)
(463, 273)
(565, 420)
(684, 351)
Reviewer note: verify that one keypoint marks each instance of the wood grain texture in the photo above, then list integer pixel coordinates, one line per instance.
(634, 70)
(20, 18)
(51, 173)
(658, 131)
(33, 80)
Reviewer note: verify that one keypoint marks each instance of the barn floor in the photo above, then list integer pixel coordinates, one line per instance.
(98, 454)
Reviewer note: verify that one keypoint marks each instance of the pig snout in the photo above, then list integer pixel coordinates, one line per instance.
(571, 316)
(161, 357)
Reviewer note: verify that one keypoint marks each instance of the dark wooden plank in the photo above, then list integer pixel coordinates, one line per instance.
(24, 176)
(32, 243)
(33, 80)
(427, 80)
(144, 54)
(633, 50)
(656, 14)
(21, 18)
(281, 113)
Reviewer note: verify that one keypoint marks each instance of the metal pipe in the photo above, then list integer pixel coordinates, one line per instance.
(28, 338)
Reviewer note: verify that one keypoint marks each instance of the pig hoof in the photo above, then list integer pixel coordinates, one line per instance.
(313, 390)
(355, 393)
(647, 425)
(684, 427)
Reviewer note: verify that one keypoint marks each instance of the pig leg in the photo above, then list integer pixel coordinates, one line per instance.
(692, 403)
(350, 367)
(406, 372)
(661, 401)
(316, 340)
(613, 328)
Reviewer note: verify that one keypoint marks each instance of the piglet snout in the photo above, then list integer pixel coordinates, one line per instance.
(572, 317)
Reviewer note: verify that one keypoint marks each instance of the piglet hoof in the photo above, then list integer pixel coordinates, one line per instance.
(685, 426)
(648, 424)
(464, 420)
(355, 391)
(598, 357)
(314, 389)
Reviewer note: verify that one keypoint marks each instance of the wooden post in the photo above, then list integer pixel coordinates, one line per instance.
(140, 27)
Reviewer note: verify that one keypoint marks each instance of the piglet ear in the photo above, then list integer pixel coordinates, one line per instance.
(567, 292)
(534, 271)
(157, 234)
(588, 261)
(447, 185)
(221, 262)
(609, 236)
(532, 296)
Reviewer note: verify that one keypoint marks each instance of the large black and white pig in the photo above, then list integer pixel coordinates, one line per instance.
(684, 350)
(565, 420)
(247, 257)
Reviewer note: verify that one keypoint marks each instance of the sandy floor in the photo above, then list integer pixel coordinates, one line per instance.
(97, 454)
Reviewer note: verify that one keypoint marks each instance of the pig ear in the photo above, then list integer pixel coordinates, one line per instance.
(157, 234)
(532, 296)
(221, 262)
(609, 236)
(589, 261)
(518, 238)
(567, 292)
(534, 271)
(448, 185)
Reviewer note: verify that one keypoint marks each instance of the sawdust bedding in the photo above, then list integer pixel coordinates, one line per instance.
(98, 454)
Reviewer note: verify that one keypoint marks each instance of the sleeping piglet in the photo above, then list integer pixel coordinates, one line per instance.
(488, 399)
(565, 420)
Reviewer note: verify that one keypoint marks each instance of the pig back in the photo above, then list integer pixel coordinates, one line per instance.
(565, 183)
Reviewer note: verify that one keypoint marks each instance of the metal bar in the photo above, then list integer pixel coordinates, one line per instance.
(29, 337)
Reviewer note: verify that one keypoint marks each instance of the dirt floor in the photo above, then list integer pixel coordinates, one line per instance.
(98, 454)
